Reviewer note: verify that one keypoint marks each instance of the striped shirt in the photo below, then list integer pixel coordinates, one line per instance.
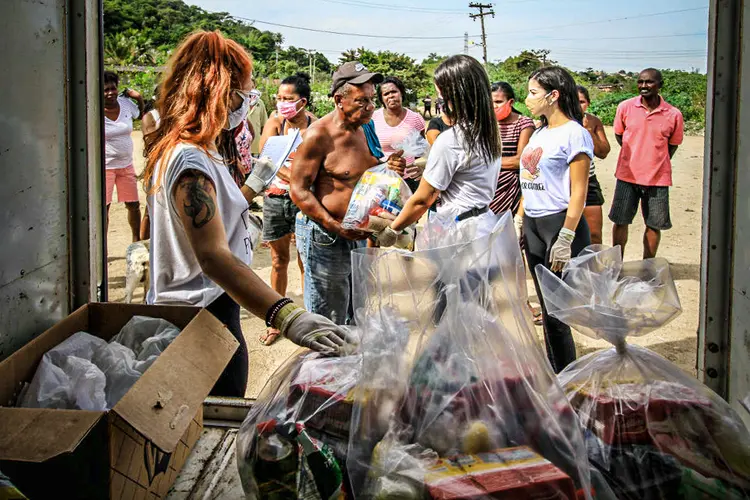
(510, 133)
(508, 190)
(393, 135)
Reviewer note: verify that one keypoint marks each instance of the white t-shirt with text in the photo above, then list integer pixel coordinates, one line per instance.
(176, 275)
(545, 167)
(465, 183)
(118, 145)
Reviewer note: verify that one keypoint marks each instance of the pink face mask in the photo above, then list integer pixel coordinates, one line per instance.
(287, 110)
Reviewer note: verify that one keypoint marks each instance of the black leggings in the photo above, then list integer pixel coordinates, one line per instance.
(539, 235)
(233, 381)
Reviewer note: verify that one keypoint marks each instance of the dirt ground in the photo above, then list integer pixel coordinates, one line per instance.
(680, 246)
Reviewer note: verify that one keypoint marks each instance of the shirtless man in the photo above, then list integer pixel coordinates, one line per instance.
(336, 151)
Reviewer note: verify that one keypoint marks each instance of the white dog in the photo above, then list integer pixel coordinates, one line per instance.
(136, 269)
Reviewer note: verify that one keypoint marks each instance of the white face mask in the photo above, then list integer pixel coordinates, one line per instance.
(237, 117)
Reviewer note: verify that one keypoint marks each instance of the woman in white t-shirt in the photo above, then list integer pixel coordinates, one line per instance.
(200, 248)
(464, 161)
(554, 180)
(119, 113)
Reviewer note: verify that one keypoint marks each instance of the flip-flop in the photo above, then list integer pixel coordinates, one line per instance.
(271, 336)
(536, 314)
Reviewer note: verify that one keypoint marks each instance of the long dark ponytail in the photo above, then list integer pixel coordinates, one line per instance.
(465, 88)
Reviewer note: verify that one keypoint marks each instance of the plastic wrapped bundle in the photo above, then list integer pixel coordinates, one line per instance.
(413, 144)
(306, 407)
(478, 413)
(378, 198)
(650, 429)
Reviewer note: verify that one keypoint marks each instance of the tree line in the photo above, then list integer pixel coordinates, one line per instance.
(144, 32)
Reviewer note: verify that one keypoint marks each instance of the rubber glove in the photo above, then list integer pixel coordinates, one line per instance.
(560, 253)
(405, 240)
(313, 331)
(377, 224)
(387, 237)
(262, 174)
(518, 223)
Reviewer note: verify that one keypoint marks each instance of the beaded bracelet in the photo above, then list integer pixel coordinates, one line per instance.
(274, 310)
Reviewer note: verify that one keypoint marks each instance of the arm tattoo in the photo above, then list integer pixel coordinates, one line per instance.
(198, 203)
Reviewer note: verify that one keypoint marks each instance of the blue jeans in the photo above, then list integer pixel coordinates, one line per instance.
(328, 270)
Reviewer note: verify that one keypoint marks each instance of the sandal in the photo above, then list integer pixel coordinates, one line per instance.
(271, 336)
(536, 313)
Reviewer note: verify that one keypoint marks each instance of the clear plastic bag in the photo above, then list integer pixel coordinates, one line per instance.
(413, 144)
(146, 336)
(85, 372)
(378, 198)
(651, 430)
(66, 378)
(293, 442)
(478, 413)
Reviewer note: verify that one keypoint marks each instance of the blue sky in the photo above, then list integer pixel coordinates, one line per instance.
(580, 33)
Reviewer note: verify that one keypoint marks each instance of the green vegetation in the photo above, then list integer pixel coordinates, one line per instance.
(142, 33)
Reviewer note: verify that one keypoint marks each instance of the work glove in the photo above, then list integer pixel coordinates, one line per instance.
(313, 331)
(405, 240)
(262, 174)
(387, 237)
(376, 224)
(518, 223)
(560, 253)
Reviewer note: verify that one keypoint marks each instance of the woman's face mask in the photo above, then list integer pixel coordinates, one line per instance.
(287, 110)
(536, 105)
(502, 112)
(254, 97)
(237, 116)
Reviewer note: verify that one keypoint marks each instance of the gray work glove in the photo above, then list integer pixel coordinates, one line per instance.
(387, 237)
(560, 253)
(262, 174)
(315, 332)
(405, 240)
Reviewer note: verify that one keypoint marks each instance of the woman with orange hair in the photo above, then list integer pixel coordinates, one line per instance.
(200, 249)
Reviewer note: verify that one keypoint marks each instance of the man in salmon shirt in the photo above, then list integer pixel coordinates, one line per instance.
(649, 130)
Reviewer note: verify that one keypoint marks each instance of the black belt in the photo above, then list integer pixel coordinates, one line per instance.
(472, 213)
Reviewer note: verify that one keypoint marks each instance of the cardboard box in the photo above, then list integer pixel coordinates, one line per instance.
(136, 449)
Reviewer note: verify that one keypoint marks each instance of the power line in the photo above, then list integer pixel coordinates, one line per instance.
(397, 7)
(645, 37)
(363, 35)
(454, 37)
(640, 16)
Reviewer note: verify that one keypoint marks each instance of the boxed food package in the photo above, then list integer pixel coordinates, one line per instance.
(509, 473)
(134, 450)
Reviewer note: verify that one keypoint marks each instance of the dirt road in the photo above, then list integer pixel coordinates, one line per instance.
(680, 245)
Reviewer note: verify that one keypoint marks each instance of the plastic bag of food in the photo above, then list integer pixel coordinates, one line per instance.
(413, 144)
(66, 378)
(650, 429)
(478, 412)
(293, 442)
(378, 198)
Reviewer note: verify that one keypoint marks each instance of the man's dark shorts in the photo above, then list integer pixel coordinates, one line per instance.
(654, 201)
(594, 196)
(279, 217)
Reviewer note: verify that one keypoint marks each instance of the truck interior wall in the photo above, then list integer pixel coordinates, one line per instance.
(51, 64)
(724, 327)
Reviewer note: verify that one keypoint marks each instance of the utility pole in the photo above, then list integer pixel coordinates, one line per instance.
(466, 42)
(482, 13)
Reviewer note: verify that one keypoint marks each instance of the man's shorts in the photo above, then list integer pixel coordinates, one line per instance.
(594, 196)
(654, 202)
(279, 213)
(126, 182)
